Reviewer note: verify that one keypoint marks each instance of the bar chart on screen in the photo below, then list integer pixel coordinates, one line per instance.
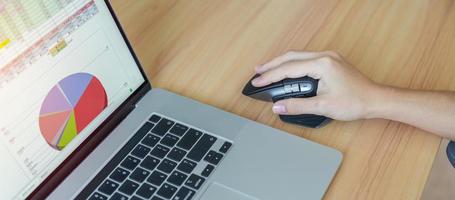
(33, 29)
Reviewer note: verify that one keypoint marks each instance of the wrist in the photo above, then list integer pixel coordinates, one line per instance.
(380, 101)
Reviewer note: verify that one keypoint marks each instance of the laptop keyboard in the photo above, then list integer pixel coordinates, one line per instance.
(165, 159)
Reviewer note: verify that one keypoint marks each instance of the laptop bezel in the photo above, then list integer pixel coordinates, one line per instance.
(97, 136)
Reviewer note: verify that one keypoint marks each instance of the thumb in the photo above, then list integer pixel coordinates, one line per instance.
(298, 106)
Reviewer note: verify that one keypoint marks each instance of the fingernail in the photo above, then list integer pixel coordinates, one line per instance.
(279, 109)
(256, 81)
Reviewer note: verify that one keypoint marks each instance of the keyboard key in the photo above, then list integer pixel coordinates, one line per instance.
(160, 151)
(157, 178)
(186, 166)
(136, 198)
(201, 147)
(118, 196)
(207, 170)
(177, 178)
(150, 140)
(178, 129)
(119, 174)
(194, 181)
(128, 187)
(145, 128)
(226, 146)
(156, 198)
(139, 175)
(184, 194)
(140, 151)
(97, 196)
(169, 140)
(150, 163)
(108, 187)
(167, 166)
(130, 162)
(154, 118)
(146, 191)
(176, 154)
(167, 191)
(213, 157)
(189, 139)
(162, 127)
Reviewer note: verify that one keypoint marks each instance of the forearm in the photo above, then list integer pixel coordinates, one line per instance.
(345, 94)
(429, 110)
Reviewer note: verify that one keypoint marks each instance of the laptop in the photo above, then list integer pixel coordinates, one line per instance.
(80, 120)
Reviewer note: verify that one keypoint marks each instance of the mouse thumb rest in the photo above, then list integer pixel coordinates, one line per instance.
(306, 120)
(303, 87)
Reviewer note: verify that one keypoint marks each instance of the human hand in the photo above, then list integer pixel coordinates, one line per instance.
(343, 92)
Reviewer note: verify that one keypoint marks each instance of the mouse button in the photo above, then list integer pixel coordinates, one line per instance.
(249, 89)
(305, 94)
(290, 88)
(305, 87)
(268, 95)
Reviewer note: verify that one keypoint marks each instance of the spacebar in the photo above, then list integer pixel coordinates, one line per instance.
(201, 147)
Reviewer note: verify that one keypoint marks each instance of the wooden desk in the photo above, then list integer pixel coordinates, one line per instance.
(196, 47)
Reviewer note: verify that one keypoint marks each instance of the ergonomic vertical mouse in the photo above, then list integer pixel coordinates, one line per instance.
(303, 87)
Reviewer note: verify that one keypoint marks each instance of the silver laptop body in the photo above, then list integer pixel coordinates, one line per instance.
(261, 163)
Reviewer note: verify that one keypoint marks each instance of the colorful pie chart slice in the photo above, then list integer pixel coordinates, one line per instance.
(70, 106)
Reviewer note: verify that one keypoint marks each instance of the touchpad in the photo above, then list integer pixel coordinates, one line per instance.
(221, 192)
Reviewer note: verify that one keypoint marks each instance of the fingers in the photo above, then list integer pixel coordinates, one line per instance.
(299, 106)
(294, 69)
(294, 56)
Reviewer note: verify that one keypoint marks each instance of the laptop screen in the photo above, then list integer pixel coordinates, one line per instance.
(64, 68)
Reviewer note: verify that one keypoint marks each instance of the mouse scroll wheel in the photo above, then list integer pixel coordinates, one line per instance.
(302, 87)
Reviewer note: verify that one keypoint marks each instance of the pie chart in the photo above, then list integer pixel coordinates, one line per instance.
(69, 107)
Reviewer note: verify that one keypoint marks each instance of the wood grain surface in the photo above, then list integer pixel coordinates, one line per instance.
(207, 50)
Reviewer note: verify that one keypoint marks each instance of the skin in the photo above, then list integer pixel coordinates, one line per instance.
(346, 94)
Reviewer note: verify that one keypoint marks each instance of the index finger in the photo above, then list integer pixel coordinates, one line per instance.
(293, 69)
(293, 56)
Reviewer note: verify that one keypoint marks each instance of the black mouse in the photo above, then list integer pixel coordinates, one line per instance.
(303, 87)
